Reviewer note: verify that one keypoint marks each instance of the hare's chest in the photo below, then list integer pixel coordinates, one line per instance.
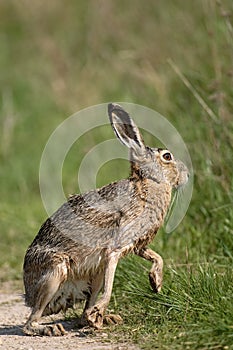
(156, 204)
(139, 225)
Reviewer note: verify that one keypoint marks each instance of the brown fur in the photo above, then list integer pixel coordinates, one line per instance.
(76, 251)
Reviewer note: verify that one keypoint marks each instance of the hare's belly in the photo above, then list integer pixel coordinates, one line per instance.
(69, 293)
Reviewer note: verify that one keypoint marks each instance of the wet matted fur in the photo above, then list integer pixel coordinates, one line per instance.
(76, 250)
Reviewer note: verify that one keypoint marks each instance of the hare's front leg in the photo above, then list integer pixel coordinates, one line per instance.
(156, 272)
(95, 314)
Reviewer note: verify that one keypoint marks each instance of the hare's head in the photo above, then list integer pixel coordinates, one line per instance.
(150, 163)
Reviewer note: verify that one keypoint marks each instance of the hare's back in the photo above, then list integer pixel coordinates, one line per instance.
(92, 220)
(113, 217)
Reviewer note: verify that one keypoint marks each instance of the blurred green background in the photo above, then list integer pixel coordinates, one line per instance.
(175, 57)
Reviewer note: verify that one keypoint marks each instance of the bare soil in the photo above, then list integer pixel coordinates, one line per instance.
(13, 314)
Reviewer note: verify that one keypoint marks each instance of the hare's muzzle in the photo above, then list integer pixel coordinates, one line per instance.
(183, 174)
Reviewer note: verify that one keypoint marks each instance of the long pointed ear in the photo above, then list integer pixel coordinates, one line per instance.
(125, 128)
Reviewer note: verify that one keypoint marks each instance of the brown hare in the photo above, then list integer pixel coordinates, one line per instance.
(76, 251)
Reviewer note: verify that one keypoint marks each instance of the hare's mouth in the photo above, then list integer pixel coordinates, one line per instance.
(182, 181)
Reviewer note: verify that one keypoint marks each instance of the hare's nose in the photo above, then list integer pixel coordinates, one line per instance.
(187, 176)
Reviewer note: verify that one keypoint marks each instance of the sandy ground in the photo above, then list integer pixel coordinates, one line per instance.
(13, 315)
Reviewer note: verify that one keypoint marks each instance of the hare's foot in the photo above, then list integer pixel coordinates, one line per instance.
(94, 316)
(50, 330)
(111, 319)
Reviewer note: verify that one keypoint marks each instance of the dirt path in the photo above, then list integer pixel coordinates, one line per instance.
(13, 315)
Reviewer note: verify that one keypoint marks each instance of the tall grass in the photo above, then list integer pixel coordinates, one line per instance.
(193, 311)
(175, 57)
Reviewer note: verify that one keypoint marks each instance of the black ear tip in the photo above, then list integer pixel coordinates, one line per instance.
(114, 107)
(110, 107)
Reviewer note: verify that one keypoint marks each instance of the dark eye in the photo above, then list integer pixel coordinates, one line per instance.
(167, 156)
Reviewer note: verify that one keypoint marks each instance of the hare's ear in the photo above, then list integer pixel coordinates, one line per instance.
(125, 128)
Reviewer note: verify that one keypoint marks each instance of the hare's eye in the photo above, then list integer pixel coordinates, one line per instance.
(167, 156)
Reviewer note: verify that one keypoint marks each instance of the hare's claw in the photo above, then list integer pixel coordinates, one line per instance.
(48, 330)
(94, 317)
(112, 319)
(54, 330)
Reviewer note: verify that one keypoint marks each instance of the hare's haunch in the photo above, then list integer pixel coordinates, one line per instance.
(76, 251)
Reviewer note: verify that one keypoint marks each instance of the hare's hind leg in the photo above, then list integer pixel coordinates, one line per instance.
(94, 314)
(45, 293)
(156, 272)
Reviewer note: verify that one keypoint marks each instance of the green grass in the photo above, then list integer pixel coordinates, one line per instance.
(193, 311)
(56, 59)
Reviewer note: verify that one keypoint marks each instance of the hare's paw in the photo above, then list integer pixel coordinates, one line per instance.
(94, 316)
(48, 330)
(55, 330)
(111, 319)
(156, 281)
